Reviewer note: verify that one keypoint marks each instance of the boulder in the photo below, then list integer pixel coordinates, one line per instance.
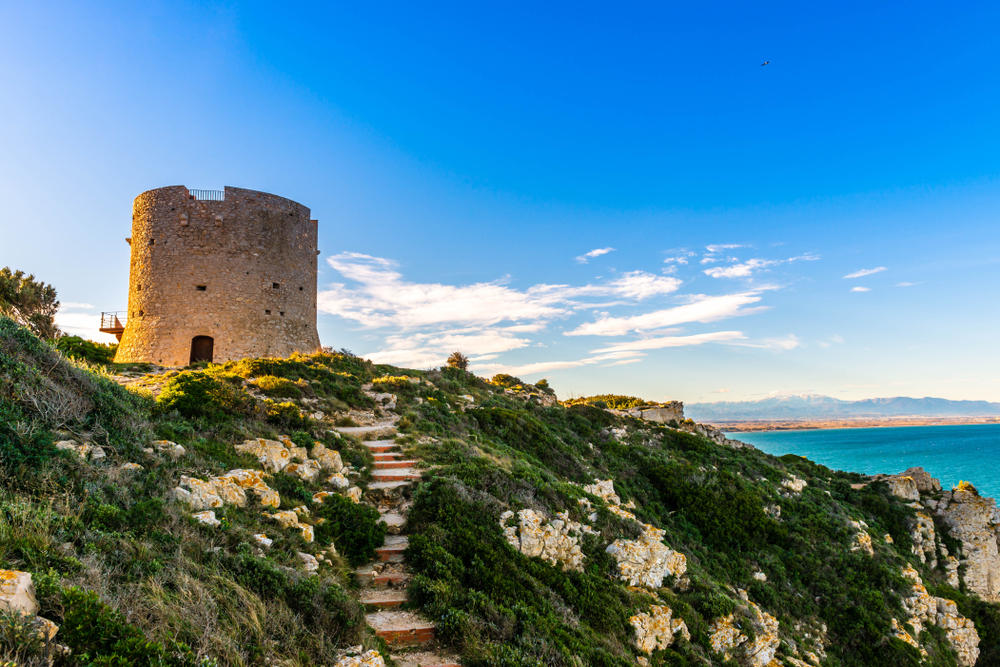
(647, 561)
(17, 593)
(271, 454)
(657, 629)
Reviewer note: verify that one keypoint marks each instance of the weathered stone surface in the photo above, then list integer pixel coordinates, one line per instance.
(254, 254)
(227, 489)
(974, 521)
(290, 519)
(556, 542)
(923, 609)
(171, 449)
(309, 562)
(924, 539)
(646, 561)
(862, 540)
(17, 593)
(356, 658)
(307, 471)
(354, 493)
(605, 490)
(85, 451)
(727, 639)
(131, 467)
(338, 481)
(207, 517)
(271, 454)
(657, 628)
(263, 540)
(793, 484)
(329, 459)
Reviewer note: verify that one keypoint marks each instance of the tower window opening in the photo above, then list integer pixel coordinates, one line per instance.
(300, 289)
(152, 241)
(201, 288)
(282, 313)
(267, 312)
(275, 285)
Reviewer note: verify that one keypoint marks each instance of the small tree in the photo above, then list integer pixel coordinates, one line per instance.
(29, 302)
(459, 361)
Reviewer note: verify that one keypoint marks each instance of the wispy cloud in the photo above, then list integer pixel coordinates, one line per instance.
(789, 342)
(642, 285)
(662, 342)
(747, 268)
(596, 252)
(906, 284)
(861, 273)
(701, 309)
(859, 288)
(719, 247)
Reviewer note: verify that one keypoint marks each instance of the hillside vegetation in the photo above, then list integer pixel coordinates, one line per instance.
(540, 534)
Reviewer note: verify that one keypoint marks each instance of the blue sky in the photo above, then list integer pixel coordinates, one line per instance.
(463, 161)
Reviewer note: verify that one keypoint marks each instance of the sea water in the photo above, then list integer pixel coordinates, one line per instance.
(950, 453)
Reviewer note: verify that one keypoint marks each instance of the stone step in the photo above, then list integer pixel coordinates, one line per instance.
(392, 550)
(382, 464)
(424, 659)
(397, 475)
(388, 487)
(387, 428)
(386, 456)
(401, 628)
(380, 446)
(383, 598)
(375, 579)
(394, 521)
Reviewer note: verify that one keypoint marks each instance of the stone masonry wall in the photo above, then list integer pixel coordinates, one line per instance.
(242, 271)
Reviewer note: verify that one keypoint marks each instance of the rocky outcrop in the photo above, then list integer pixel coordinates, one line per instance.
(85, 451)
(271, 454)
(228, 489)
(728, 639)
(17, 597)
(924, 538)
(862, 539)
(661, 413)
(974, 521)
(647, 560)
(359, 658)
(657, 628)
(556, 542)
(923, 610)
(793, 484)
(290, 519)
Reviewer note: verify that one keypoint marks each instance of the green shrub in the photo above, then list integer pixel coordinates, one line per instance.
(354, 528)
(285, 414)
(278, 387)
(86, 350)
(200, 394)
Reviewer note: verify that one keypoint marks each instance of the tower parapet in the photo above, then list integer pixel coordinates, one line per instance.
(217, 275)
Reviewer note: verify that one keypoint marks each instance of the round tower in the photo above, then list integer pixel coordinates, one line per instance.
(219, 275)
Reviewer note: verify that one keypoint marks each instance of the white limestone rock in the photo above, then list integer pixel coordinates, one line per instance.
(974, 521)
(271, 454)
(206, 518)
(17, 593)
(556, 541)
(657, 629)
(647, 561)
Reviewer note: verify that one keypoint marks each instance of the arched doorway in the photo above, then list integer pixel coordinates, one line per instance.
(201, 348)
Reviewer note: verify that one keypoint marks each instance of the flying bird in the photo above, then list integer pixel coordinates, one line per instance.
(766, 62)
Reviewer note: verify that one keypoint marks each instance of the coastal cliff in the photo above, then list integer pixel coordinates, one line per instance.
(322, 509)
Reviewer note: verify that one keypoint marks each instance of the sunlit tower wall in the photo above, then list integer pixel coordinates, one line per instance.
(217, 275)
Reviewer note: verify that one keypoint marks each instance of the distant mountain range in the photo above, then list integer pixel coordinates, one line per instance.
(825, 407)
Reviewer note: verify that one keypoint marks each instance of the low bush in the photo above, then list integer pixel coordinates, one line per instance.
(201, 394)
(354, 528)
(86, 350)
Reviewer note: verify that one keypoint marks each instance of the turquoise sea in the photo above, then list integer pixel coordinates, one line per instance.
(950, 453)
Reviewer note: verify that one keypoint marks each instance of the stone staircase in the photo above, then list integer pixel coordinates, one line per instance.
(384, 582)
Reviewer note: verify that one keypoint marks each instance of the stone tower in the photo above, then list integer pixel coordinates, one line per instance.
(219, 275)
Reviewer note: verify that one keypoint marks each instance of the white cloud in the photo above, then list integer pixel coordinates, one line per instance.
(701, 309)
(596, 252)
(789, 342)
(718, 247)
(642, 285)
(429, 350)
(74, 305)
(861, 273)
(747, 268)
(662, 342)
(858, 288)
(905, 284)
